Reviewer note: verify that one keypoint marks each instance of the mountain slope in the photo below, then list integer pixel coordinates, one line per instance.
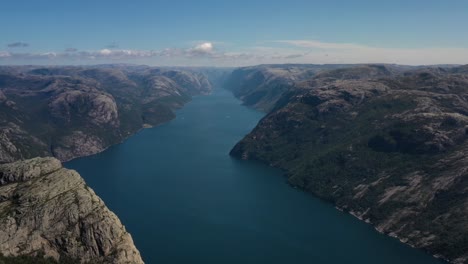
(69, 112)
(388, 148)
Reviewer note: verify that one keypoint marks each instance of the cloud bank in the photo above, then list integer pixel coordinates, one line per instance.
(203, 51)
(325, 52)
(280, 51)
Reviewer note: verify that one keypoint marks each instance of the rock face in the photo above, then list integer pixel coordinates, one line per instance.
(69, 112)
(388, 146)
(45, 208)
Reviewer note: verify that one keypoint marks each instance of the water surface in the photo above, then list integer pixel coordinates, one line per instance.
(184, 200)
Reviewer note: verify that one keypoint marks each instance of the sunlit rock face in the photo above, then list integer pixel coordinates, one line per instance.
(45, 208)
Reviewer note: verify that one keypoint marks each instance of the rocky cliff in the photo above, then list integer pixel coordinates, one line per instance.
(389, 147)
(47, 209)
(68, 112)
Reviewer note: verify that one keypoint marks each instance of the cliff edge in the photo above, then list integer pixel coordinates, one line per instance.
(47, 209)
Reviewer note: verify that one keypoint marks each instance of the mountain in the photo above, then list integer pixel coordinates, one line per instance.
(384, 143)
(217, 76)
(69, 112)
(48, 210)
(262, 86)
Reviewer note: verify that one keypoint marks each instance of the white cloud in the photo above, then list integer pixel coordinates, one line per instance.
(49, 54)
(204, 47)
(4, 54)
(105, 52)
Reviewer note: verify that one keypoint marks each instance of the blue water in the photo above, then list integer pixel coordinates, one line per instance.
(185, 200)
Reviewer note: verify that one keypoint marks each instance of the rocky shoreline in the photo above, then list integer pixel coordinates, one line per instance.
(393, 235)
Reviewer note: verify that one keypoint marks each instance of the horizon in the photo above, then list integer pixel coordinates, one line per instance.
(245, 33)
(225, 67)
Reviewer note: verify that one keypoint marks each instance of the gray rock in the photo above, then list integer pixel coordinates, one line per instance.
(47, 208)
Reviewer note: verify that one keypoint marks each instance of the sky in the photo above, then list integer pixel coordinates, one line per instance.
(233, 33)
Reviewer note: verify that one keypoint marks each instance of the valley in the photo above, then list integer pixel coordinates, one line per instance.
(384, 143)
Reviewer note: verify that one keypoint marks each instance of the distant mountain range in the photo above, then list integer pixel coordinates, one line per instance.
(386, 143)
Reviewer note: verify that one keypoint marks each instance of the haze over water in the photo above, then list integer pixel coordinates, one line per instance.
(185, 200)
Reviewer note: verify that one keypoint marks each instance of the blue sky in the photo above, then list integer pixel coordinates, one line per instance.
(233, 33)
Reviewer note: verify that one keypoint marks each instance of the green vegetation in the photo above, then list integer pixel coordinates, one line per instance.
(73, 111)
(390, 150)
(39, 259)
